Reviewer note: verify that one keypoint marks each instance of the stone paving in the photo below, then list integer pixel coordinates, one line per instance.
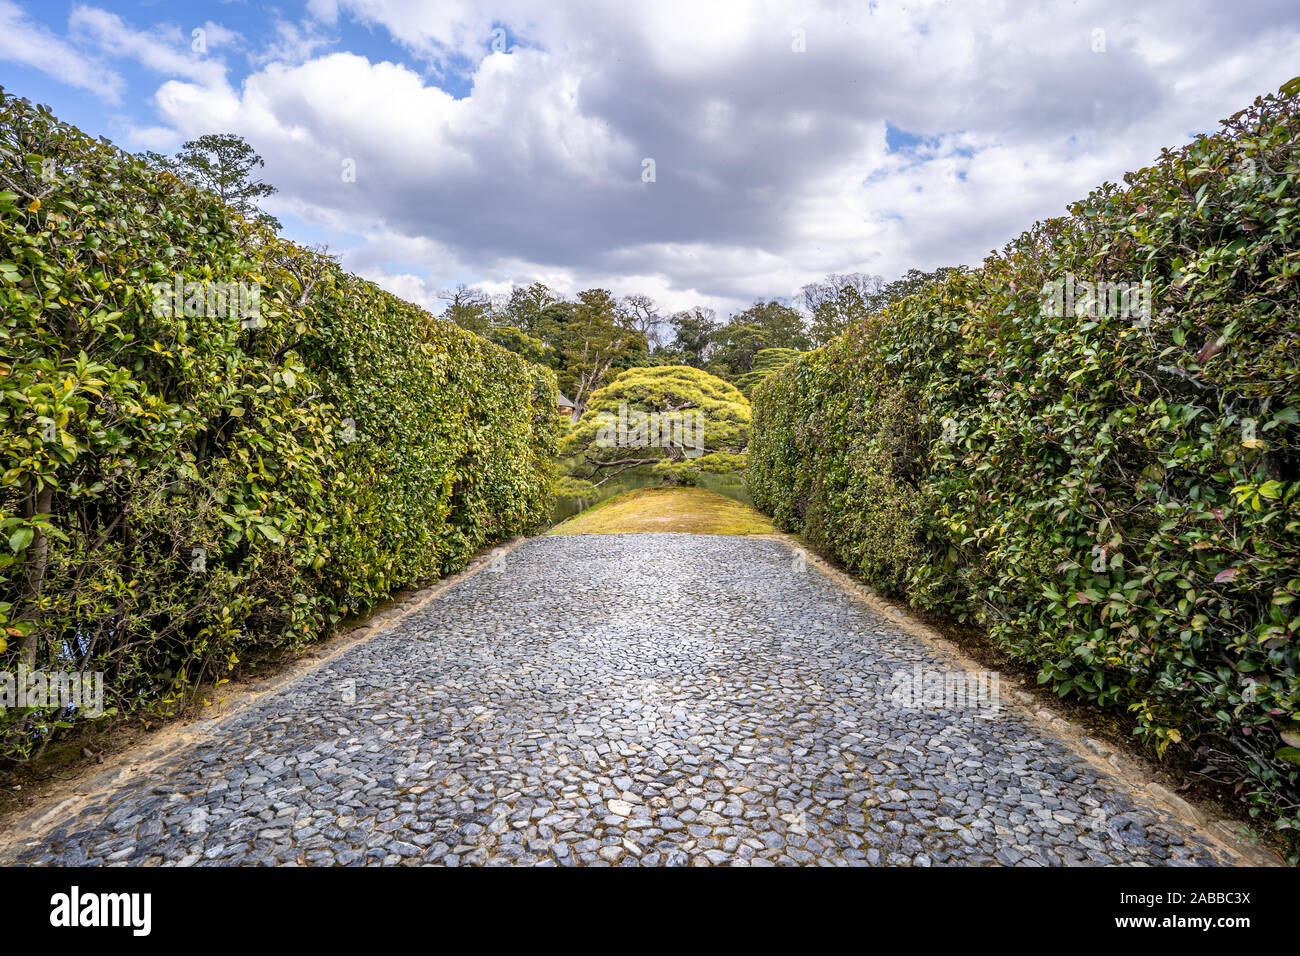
(625, 700)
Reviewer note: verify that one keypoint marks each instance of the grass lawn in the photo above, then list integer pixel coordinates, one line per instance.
(667, 508)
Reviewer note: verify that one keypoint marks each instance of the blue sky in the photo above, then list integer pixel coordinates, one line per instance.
(503, 141)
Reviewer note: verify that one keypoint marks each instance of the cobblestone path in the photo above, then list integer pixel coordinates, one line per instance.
(647, 699)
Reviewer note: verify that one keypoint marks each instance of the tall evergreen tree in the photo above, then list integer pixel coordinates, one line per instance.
(223, 164)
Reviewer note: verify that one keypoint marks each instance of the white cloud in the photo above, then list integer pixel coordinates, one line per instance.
(165, 49)
(217, 35)
(293, 42)
(773, 166)
(30, 44)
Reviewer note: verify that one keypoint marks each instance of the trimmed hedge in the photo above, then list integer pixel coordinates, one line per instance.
(178, 490)
(1112, 498)
(766, 361)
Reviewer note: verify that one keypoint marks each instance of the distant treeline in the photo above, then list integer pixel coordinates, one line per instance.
(593, 336)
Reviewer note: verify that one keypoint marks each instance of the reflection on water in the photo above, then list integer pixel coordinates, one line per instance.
(731, 485)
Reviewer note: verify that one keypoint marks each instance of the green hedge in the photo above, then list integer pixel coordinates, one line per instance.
(1113, 498)
(179, 489)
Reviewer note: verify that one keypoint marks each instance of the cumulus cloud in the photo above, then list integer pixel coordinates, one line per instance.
(788, 141)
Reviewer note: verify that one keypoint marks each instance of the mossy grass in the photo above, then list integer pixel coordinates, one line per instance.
(667, 508)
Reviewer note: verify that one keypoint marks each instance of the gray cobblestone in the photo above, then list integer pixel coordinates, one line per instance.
(652, 700)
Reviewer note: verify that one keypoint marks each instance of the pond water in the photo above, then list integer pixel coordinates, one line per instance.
(732, 485)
